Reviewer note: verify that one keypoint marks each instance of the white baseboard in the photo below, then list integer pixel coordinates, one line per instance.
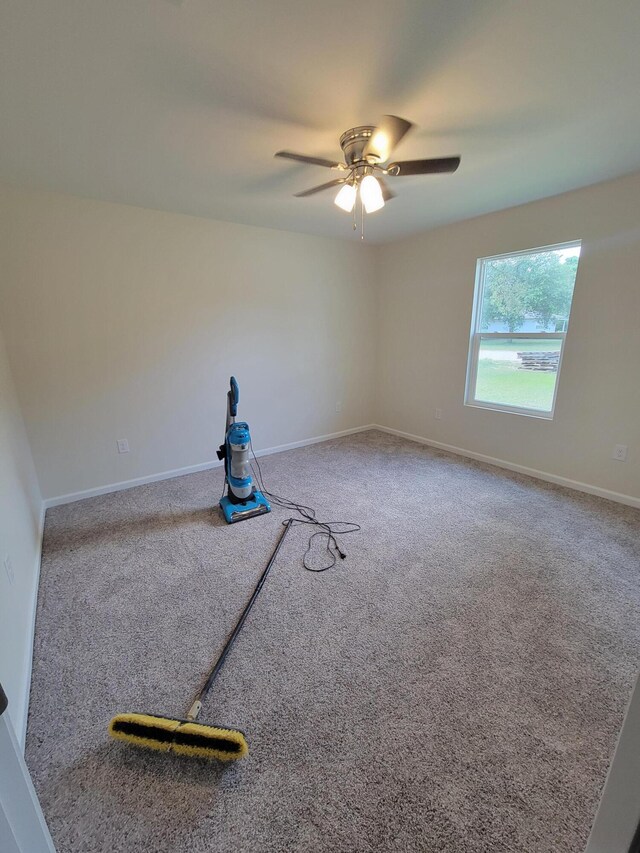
(280, 448)
(21, 732)
(192, 469)
(618, 497)
(128, 484)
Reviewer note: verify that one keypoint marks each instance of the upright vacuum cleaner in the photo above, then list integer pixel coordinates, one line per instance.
(241, 500)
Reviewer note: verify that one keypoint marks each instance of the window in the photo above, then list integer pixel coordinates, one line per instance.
(520, 319)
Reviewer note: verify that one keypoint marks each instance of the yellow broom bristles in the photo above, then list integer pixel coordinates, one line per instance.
(184, 737)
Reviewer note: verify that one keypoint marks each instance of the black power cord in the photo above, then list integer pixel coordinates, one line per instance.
(330, 529)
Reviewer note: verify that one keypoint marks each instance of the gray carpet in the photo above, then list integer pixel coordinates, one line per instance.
(456, 684)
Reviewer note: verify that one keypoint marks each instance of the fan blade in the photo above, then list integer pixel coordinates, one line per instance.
(385, 137)
(321, 187)
(387, 194)
(315, 161)
(424, 167)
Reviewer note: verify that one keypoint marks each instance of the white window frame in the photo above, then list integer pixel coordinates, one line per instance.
(477, 335)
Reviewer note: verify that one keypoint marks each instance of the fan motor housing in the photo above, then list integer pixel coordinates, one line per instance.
(353, 142)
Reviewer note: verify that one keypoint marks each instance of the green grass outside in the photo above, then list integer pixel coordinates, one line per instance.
(502, 382)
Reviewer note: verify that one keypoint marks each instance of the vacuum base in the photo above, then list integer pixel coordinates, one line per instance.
(257, 504)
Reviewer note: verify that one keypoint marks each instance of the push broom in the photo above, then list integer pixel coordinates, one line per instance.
(186, 736)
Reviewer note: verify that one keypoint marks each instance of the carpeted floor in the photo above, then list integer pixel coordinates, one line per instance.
(456, 684)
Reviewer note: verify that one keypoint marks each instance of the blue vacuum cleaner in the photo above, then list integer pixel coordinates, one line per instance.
(242, 500)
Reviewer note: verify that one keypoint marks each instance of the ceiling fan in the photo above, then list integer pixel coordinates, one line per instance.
(366, 151)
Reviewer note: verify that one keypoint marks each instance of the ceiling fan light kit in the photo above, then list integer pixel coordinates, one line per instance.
(366, 149)
(346, 197)
(371, 194)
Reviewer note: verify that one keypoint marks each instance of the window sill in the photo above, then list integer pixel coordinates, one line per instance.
(510, 410)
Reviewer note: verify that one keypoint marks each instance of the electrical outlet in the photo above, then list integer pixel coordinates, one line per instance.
(620, 452)
(8, 567)
(338, 407)
(438, 414)
(123, 445)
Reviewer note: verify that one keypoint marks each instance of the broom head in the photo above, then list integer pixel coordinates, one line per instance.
(184, 737)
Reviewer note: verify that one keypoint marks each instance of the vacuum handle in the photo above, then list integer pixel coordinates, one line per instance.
(197, 704)
(234, 397)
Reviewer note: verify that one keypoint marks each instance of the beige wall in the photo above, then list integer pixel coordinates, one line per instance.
(426, 292)
(20, 534)
(123, 322)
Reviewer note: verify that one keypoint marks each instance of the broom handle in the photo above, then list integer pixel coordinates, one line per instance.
(194, 710)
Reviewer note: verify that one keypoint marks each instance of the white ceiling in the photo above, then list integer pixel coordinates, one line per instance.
(181, 104)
